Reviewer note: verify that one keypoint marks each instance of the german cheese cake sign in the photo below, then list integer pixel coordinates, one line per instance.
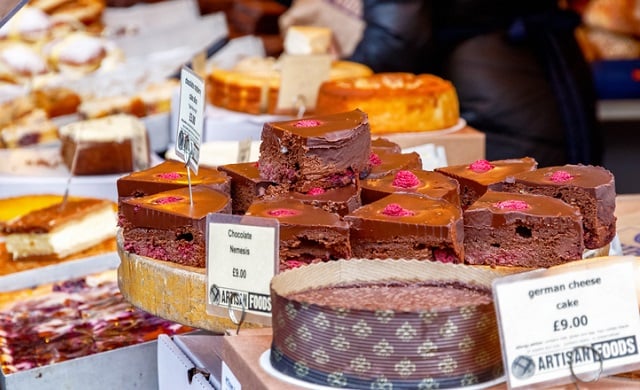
(242, 254)
(572, 323)
(190, 118)
(300, 80)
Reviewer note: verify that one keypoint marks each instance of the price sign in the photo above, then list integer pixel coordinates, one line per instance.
(190, 118)
(300, 81)
(569, 324)
(242, 254)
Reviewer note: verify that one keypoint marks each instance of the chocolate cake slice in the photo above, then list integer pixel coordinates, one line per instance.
(170, 175)
(590, 188)
(246, 184)
(415, 181)
(408, 226)
(525, 230)
(339, 200)
(167, 226)
(307, 234)
(475, 178)
(316, 152)
(383, 163)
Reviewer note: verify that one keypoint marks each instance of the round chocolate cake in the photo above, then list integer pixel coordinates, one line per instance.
(371, 323)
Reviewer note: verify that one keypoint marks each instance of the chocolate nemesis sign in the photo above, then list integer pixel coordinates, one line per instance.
(8, 8)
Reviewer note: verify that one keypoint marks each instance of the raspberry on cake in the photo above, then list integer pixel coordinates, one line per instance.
(590, 188)
(395, 102)
(383, 162)
(408, 226)
(61, 229)
(170, 175)
(475, 178)
(320, 151)
(524, 230)
(415, 181)
(170, 226)
(113, 144)
(307, 234)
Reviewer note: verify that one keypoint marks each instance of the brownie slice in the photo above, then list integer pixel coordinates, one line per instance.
(170, 175)
(382, 163)
(307, 234)
(475, 178)
(408, 226)
(416, 181)
(316, 152)
(590, 188)
(246, 184)
(511, 229)
(339, 200)
(169, 226)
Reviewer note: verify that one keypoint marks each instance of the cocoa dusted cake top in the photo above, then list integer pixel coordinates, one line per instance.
(321, 129)
(294, 212)
(169, 209)
(49, 218)
(488, 172)
(396, 296)
(511, 206)
(172, 173)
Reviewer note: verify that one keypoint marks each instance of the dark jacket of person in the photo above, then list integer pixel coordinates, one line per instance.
(518, 70)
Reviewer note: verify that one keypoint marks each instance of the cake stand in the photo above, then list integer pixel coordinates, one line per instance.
(171, 291)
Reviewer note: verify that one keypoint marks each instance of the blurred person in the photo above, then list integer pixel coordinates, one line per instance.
(518, 70)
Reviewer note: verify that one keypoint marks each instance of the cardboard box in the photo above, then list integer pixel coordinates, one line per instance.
(461, 146)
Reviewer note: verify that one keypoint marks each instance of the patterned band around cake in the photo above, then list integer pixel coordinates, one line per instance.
(385, 333)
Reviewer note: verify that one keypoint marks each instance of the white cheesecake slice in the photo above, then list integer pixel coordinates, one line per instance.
(61, 230)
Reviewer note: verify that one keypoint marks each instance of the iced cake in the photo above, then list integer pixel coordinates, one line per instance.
(408, 226)
(513, 229)
(307, 234)
(169, 175)
(339, 200)
(171, 225)
(319, 151)
(416, 181)
(476, 177)
(590, 188)
(383, 162)
(246, 184)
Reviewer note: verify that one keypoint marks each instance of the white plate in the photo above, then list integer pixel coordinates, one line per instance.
(265, 363)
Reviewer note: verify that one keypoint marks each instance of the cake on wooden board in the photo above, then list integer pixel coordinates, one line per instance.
(171, 225)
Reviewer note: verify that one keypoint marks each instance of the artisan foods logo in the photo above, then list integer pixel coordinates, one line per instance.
(524, 366)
